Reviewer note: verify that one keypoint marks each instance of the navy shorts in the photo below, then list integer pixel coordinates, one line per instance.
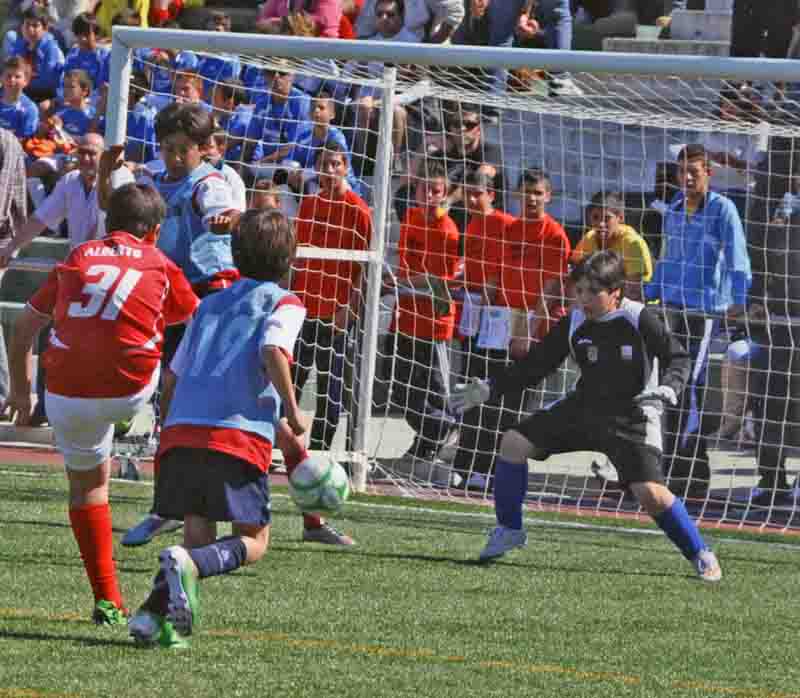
(212, 484)
(633, 441)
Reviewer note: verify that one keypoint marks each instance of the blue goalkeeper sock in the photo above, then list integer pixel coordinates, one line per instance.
(223, 556)
(510, 488)
(681, 530)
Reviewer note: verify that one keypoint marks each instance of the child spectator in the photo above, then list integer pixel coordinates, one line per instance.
(606, 214)
(47, 151)
(234, 116)
(140, 144)
(87, 55)
(483, 252)
(40, 49)
(215, 69)
(423, 327)
(534, 265)
(18, 113)
(76, 112)
(214, 154)
(265, 194)
(331, 290)
(280, 114)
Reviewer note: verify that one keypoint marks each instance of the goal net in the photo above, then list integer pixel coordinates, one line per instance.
(455, 273)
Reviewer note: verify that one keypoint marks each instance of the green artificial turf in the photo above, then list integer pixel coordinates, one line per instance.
(405, 613)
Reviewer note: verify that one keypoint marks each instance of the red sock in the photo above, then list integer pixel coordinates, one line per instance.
(92, 528)
(292, 458)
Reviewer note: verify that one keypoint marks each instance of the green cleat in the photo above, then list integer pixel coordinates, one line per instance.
(171, 639)
(107, 613)
(181, 576)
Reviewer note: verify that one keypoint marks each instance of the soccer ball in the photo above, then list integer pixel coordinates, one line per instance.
(319, 485)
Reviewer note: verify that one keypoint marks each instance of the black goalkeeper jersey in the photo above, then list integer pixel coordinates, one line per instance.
(616, 355)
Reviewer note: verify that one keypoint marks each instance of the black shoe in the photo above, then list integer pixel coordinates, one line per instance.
(38, 418)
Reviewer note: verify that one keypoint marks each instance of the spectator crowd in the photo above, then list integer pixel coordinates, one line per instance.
(482, 265)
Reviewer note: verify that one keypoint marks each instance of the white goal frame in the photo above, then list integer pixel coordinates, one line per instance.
(125, 39)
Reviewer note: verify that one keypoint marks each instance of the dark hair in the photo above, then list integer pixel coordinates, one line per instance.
(190, 119)
(232, 89)
(83, 78)
(37, 13)
(534, 175)
(332, 147)
(323, 93)
(216, 15)
(479, 180)
(139, 81)
(264, 244)
(604, 270)
(127, 16)
(18, 63)
(401, 6)
(611, 201)
(136, 209)
(693, 151)
(85, 23)
(433, 168)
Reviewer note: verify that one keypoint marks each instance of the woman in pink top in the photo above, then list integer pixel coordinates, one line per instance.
(325, 13)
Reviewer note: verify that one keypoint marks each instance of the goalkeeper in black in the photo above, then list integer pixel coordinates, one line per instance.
(615, 408)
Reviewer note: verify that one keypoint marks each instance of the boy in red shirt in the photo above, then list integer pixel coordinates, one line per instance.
(429, 254)
(483, 250)
(330, 289)
(109, 302)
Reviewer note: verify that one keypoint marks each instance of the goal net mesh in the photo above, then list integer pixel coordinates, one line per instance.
(463, 293)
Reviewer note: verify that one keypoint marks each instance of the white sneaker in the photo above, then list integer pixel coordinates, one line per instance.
(148, 528)
(502, 540)
(707, 566)
(327, 535)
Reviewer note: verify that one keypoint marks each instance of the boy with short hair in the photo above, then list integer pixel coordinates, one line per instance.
(608, 231)
(331, 290)
(40, 49)
(233, 114)
(87, 54)
(424, 324)
(215, 453)
(18, 113)
(76, 113)
(484, 238)
(616, 407)
(109, 302)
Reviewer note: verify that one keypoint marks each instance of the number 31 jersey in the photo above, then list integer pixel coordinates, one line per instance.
(110, 301)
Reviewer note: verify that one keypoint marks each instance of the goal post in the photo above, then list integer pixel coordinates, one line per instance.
(598, 123)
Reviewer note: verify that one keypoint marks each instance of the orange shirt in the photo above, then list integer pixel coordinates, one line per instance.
(534, 253)
(427, 247)
(483, 247)
(344, 223)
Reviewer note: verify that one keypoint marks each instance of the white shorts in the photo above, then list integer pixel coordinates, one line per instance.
(84, 427)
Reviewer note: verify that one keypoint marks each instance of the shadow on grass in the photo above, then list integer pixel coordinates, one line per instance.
(77, 639)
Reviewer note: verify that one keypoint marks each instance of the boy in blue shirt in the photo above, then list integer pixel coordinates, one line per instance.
(215, 453)
(86, 54)
(18, 113)
(41, 50)
(76, 113)
(704, 272)
(233, 115)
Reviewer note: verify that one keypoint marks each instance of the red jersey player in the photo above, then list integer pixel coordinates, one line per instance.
(109, 303)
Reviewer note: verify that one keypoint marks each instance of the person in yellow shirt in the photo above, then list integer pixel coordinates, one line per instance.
(608, 231)
(106, 10)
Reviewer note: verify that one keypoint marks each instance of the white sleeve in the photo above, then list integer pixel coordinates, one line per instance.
(283, 327)
(53, 210)
(120, 176)
(180, 359)
(214, 197)
(238, 190)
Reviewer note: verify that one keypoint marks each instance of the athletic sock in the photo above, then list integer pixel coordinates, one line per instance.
(510, 488)
(91, 526)
(222, 556)
(292, 458)
(681, 530)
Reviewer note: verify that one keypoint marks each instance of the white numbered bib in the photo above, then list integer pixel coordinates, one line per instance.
(495, 329)
(470, 323)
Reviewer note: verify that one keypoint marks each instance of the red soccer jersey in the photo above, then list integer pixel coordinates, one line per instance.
(483, 247)
(325, 284)
(427, 247)
(534, 253)
(110, 301)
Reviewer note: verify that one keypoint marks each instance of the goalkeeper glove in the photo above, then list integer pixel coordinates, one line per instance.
(663, 393)
(467, 395)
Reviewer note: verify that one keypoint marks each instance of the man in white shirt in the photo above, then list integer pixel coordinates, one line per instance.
(73, 199)
(433, 21)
